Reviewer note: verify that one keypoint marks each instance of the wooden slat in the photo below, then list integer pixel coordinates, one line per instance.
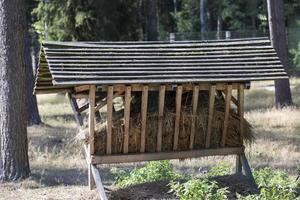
(246, 167)
(212, 92)
(226, 116)
(194, 107)
(177, 117)
(241, 111)
(144, 117)
(127, 118)
(110, 93)
(161, 104)
(91, 123)
(164, 155)
(75, 109)
(98, 181)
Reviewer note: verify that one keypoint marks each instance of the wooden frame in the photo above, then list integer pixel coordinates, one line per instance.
(142, 155)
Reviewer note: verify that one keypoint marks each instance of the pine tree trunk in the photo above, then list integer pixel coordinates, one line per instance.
(33, 117)
(278, 38)
(152, 20)
(203, 16)
(14, 163)
(152, 32)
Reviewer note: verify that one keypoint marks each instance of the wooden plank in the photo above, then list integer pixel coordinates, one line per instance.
(177, 117)
(91, 123)
(241, 111)
(110, 93)
(212, 92)
(110, 159)
(126, 118)
(194, 107)
(226, 116)
(144, 117)
(82, 88)
(155, 87)
(246, 166)
(98, 182)
(234, 100)
(75, 110)
(161, 104)
(238, 164)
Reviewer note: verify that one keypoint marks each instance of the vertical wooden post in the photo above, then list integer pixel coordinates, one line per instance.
(161, 103)
(91, 147)
(241, 116)
(144, 117)
(226, 117)
(212, 92)
(241, 110)
(177, 116)
(110, 93)
(127, 118)
(195, 107)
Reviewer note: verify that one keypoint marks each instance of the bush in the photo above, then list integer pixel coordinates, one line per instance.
(153, 171)
(198, 189)
(274, 185)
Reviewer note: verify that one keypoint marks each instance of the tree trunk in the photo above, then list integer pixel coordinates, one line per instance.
(219, 23)
(278, 38)
(33, 117)
(203, 16)
(152, 20)
(14, 163)
(152, 33)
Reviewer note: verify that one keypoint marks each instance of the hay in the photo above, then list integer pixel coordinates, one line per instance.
(232, 139)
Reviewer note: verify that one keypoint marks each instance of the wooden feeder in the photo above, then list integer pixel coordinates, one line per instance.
(101, 71)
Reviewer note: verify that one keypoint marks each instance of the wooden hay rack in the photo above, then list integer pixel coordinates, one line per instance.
(101, 71)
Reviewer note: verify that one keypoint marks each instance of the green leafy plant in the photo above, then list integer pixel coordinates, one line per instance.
(274, 185)
(221, 169)
(198, 189)
(153, 171)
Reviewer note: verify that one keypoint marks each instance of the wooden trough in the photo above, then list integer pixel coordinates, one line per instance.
(101, 71)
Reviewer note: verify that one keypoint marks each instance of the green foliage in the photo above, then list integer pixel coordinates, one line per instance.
(87, 20)
(221, 169)
(152, 171)
(198, 189)
(274, 185)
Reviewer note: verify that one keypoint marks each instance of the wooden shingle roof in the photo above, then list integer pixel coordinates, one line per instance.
(64, 65)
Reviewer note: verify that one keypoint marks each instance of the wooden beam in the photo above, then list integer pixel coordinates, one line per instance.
(211, 106)
(177, 117)
(161, 104)
(194, 107)
(111, 159)
(155, 87)
(144, 107)
(81, 88)
(241, 111)
(126, 118)
(75, 110)
(246, 166)
(91, 123)
(98, 182)
(234, 100)
(110, 93)
(238, 164)
(226, 116)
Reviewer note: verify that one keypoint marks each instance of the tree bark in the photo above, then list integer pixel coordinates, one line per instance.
(14, 162)
(203, 16)
(278, 38)
(152, 33)
(33, 117)
(152, 20)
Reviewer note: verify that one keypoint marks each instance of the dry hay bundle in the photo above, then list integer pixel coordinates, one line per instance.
(186, 117)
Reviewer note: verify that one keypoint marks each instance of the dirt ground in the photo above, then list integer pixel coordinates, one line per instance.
(160, 190)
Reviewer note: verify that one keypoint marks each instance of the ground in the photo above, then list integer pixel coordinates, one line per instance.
(58, 168)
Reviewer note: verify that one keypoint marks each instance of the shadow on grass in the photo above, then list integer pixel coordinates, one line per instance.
(55, 177)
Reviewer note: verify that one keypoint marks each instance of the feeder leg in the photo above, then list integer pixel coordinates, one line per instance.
(246, 167)
(91, 178)
(238, 165)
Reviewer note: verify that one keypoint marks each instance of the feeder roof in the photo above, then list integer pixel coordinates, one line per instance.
(63, 65)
